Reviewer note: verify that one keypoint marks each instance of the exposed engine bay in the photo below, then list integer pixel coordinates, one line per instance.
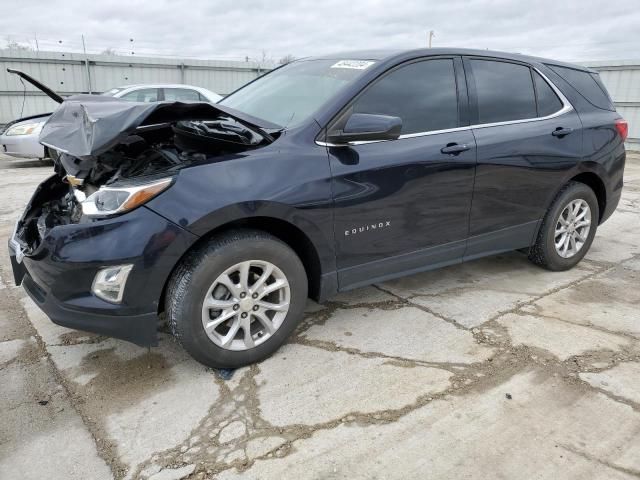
(106, 148)
(161, 149)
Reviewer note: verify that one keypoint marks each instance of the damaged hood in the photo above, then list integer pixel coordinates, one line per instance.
(85, 126)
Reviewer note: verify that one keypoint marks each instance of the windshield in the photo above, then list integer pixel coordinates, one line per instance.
(290, 94)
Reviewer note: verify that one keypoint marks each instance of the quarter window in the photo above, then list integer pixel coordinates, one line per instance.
(548, 101)
(422, 94)
(504, 91)
(587, 84)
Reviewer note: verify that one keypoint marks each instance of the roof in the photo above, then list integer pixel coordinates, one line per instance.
(385, 55)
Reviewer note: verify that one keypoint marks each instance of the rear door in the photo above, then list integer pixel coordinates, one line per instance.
(527, 134)
(403, 205)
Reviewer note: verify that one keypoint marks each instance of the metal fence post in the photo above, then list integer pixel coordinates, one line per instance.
(86, 63)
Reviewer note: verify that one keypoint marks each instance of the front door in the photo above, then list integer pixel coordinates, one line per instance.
(403, 205)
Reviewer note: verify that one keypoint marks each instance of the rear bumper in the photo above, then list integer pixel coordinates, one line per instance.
(612, 204)
(58, 275)
(21, 146)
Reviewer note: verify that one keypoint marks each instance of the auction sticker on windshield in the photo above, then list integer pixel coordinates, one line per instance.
(353, 64)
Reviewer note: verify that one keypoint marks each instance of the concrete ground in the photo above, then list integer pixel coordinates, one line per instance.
(492, 369)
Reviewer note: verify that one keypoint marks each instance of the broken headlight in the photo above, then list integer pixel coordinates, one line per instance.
(112, 200)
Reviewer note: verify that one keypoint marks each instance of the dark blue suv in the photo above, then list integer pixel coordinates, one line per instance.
(324, 175)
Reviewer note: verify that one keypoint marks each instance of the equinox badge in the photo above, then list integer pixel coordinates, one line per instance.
(367, 228)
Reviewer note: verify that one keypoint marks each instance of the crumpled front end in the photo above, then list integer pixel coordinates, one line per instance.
(108, 149)
(89, 217)
(59, 272)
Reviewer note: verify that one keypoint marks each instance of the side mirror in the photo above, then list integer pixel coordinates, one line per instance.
(366, 127)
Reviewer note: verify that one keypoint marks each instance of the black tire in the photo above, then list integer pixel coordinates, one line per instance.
(544, 252)
(191, 280)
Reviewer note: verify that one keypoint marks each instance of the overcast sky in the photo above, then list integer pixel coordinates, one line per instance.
(565, 30)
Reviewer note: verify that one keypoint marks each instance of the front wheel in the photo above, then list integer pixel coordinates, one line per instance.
(568, 228)
(235, 300)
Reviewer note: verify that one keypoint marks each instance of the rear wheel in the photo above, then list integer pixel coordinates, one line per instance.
(568, 228)
(235, 300)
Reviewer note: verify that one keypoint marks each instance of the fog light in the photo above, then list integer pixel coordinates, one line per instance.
(110, 281)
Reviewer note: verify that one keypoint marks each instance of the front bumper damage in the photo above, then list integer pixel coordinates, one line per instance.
(59, 273)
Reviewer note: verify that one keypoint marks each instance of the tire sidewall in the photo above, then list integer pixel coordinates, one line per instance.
(210, 265)
(575, 192)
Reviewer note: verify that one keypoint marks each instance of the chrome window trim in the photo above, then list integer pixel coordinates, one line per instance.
(566, 107)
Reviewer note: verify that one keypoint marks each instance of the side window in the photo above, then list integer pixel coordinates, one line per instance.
(504, 91)
(422, 94)
(548, 101)
(181, 95)
(144, 95)
(588, 85)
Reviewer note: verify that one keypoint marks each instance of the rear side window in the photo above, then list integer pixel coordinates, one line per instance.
(587, 84)
(504, 91)
(422, 94)
(144, 95)
(548, 101)
(181, 95)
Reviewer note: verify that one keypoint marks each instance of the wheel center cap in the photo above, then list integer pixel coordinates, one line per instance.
(246, 304)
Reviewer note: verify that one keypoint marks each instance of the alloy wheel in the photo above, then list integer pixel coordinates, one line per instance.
(572, 228)
(246, 305)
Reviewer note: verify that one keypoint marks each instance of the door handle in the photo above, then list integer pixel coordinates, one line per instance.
(561, 132)
(454, 149)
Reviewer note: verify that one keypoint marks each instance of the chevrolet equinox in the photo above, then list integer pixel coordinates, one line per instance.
(323, 175)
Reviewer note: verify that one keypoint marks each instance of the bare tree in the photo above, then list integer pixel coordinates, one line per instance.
(109, 51)
(286, 59)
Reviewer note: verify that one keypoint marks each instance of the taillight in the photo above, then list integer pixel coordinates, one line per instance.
(623, 128)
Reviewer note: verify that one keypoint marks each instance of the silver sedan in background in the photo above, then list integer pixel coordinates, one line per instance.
(20, 137)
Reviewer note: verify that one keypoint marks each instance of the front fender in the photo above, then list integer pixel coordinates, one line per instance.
(206, 197)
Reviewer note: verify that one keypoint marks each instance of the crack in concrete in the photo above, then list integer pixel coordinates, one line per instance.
(407, 302)
(590, 325)
(593, 458)
(210, 457)
(612, 396)
(105, 449)
(402, 361)
(477, 377)
(547, 293)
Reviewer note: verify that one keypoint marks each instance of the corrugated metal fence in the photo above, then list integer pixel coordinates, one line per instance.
(71, 73)
(622, 79)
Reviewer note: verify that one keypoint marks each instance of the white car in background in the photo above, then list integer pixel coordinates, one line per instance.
(20, 137)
